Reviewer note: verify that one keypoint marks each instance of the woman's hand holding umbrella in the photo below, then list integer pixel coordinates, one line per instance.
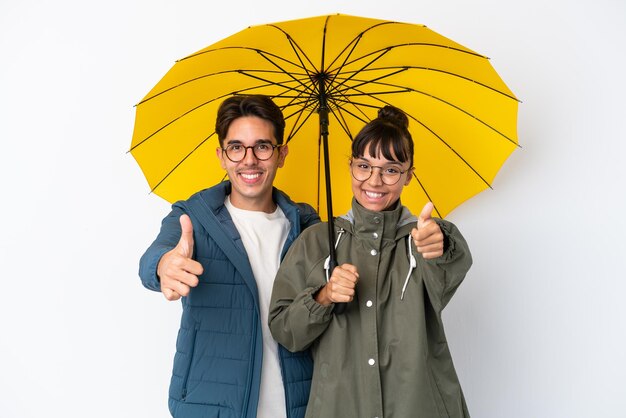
(340, 287)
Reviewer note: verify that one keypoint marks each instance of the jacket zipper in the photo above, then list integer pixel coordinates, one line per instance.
(281, 360)
(246, 398)
(188, 372)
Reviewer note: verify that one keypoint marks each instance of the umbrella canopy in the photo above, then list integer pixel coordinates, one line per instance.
(330, 75)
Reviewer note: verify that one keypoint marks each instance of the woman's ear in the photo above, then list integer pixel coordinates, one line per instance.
(409, 176)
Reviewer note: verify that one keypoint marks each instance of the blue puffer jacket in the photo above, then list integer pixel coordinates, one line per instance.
(217, 367)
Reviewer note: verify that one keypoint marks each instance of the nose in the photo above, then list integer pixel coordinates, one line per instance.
(376, 178)
(249, 157)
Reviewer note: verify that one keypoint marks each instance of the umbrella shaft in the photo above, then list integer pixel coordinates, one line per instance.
(323, 116)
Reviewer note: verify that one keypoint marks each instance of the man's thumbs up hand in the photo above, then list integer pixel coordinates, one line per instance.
(177, 271)
(185, 244)
(427, 235)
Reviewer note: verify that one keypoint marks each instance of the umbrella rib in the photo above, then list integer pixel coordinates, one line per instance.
(411, 67)
(173, 121)
(388, 48)
(300, 100)
(453, 150)
(296, 127)
(337, 105)
(192, 80)
(202, 105)
(355, 41)
(348, 78)
(340, 118)
(181, 161)
(294, 46)
(297, 50)
(381, 52)
(296, 100)
(263, 53)
(281, 84)
(402, 89)
(246, 48)
(468, 114)
(266, 54)
(427, 194)
(354, 44)
(322, 67)
(338, 109)
(439, 137)
(287, 73)
(374, 81)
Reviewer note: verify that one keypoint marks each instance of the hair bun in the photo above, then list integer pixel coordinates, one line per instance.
(394, 115)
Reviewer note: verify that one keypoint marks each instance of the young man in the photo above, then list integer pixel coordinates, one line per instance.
(220, 251)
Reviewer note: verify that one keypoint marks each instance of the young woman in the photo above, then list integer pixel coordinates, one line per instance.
(386, 355)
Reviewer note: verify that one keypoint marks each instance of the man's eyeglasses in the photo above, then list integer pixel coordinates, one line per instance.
(262, 151)
(362, 171)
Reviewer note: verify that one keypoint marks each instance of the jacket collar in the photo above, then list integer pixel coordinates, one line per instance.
(362, 219)
(214, 197)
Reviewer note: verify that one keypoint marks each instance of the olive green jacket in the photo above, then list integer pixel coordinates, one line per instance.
(387, 354)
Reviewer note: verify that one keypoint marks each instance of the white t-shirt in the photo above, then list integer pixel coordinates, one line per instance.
(264, 235)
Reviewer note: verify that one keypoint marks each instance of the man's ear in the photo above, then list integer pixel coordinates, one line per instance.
(220, 156)
(282, 154)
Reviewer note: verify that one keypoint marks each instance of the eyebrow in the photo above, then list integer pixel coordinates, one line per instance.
(239, 141)
(398, 163)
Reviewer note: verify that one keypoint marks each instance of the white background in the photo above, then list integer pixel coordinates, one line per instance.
(537, 329)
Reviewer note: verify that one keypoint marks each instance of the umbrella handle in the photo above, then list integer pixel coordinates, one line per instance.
(340, 308)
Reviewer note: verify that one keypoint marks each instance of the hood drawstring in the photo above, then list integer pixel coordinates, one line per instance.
(327, 261)
(412, 265)
(412, 261)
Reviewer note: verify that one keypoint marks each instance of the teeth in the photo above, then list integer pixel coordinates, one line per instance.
(374, 195)
(250, 176)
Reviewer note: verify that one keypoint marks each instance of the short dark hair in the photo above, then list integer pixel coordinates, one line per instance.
(253, 105)
(388, 133)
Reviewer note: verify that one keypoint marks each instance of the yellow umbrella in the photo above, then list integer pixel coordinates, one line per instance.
(329, 75)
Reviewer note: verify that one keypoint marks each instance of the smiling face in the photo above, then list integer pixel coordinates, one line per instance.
(251, 178)
(372, 193)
